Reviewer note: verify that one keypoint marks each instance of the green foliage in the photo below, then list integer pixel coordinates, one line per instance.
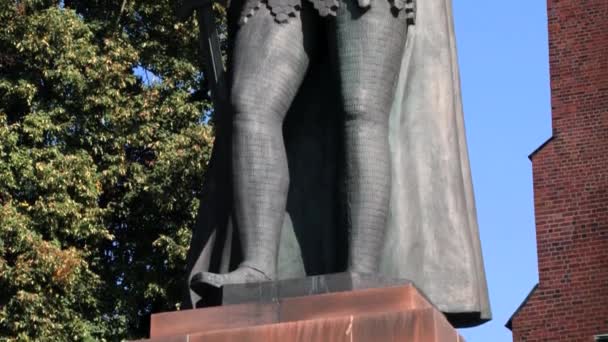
(100, 166)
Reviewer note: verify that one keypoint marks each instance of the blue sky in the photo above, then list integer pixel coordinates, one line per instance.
(503, 54)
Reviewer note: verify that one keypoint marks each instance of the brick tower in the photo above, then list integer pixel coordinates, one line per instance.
(570, 302)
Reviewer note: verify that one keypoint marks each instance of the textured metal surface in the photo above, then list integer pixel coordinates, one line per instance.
(282, 10)
(369, 47)
(326, 7)
(431, 234)
(270, 63)
(272, 291)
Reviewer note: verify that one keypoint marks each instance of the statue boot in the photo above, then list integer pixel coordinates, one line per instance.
(261, 183)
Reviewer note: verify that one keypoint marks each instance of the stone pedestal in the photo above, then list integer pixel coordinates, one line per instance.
(342, 307)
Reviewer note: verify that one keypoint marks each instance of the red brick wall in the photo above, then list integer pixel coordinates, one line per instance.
(571, 183)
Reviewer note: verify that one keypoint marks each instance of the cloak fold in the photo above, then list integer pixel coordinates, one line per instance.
(432, 235)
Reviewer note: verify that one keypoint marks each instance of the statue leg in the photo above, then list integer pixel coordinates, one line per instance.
(270, 61)
(368, 45)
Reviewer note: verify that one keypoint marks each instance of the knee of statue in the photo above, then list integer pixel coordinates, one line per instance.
(251, 104)
(362, 111)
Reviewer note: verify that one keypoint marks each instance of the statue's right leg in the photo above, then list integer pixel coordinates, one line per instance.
(369, 45)
(269, 64)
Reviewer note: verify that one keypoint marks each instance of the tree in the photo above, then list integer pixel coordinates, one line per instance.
(104, 139)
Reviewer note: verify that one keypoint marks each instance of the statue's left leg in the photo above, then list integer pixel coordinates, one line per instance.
(368, 45)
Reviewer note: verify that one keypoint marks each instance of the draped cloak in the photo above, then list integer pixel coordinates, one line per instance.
(432, 235)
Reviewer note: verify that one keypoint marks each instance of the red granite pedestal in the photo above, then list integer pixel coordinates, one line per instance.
(397, 313)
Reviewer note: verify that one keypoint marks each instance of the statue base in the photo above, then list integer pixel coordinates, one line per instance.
(339, 307)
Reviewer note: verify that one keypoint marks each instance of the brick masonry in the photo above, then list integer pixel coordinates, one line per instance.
(570, 171)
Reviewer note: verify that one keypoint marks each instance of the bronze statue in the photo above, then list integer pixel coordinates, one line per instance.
(342, 148)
